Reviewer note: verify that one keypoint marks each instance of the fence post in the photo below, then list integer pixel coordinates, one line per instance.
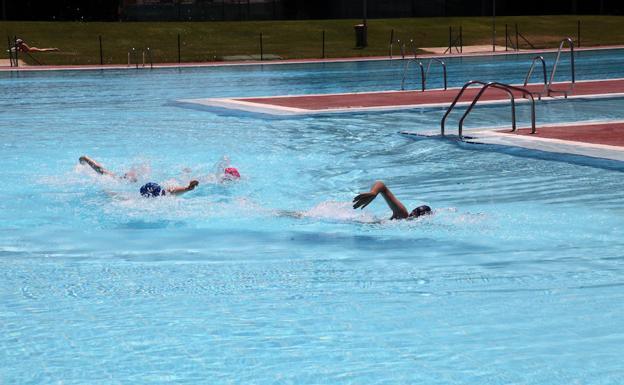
(179, 60)
(578, 34)
(506, 37)
(450, 39)
(517, 41)
(10, 50)
(16, 51)
(323, 51)
(101, 55)
(461, 40)
(391, 42)
(261, 48)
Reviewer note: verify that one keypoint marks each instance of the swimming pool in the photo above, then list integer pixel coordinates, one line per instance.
(516, 279)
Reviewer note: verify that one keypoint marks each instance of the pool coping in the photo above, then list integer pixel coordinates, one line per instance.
(501, 136)
(248, 104)
(286, 61)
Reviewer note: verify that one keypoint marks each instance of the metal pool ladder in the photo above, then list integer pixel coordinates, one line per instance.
(572, 70)
(424, 74)
(484, 86)
(548, 84)
(133, 56)
(405, 72)
(528, 76)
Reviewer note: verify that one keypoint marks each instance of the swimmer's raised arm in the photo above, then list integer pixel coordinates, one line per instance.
(181, 190)
(95, 166)
(364, 199)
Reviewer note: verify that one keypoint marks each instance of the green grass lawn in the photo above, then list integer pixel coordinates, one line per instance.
(210, 41)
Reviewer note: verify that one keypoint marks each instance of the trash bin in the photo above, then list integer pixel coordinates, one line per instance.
(361, 39)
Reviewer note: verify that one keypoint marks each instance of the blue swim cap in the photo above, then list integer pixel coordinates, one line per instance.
(151, 190)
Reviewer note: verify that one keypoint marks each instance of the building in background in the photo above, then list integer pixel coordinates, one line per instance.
(353, 9)
(206, 10)
(202, 10)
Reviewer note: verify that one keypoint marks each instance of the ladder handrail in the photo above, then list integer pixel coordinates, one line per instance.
(405, 71)
(528, 75)
(506, 87)
(13, 51)
(459, 95)
(509, 89)
(149, 56)
(10, 50)
(524, 92)
(402, 48)
(443, 68)
(476, 99)
(554, 70)
(133, 54)
(413, 47)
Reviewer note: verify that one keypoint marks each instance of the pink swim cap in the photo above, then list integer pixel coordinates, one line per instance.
(232, 172)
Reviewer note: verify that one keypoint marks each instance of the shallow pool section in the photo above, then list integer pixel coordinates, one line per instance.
(517, 278)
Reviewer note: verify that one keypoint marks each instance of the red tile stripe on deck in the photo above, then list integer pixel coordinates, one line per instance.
(611, 134)
(406, 98)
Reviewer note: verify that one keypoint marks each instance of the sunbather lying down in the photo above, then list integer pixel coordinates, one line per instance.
(21, 46)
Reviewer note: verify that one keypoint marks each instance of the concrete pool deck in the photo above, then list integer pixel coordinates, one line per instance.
(603, 140)
(5, 67)
(394, 100)
(600, 140)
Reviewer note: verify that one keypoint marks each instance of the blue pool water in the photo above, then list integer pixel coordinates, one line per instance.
(517, 278)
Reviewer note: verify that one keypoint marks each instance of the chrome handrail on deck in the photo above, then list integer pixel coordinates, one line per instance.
(429, 66)
(476, 99)
(149, 56)
(505, 87)
(509, 89)
(528, 75)
(424, 74)
(13, 51)
(459, 95)
(413, 47)
(524, 92)
(11, 48)
(402, 48)
(132, 54)
(405, 72)
(572, 69)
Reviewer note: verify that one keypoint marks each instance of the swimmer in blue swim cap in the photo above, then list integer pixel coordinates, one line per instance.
(153, 190)
(398, 209)
(148, 190)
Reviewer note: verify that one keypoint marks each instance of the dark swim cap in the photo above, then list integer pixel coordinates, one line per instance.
(151, 190)
(420, 210)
